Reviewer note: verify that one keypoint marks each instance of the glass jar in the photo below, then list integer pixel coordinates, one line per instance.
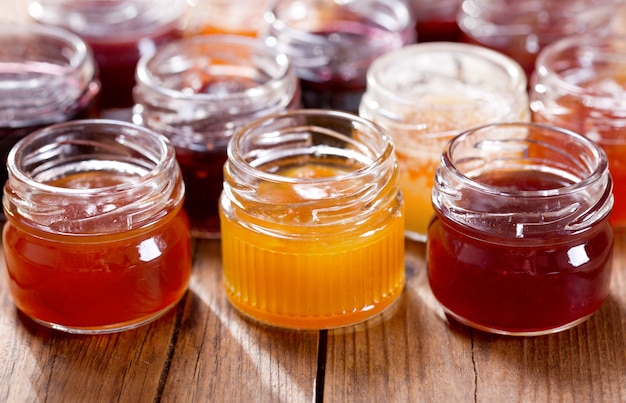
(332, 43)
(243, 17)
(119, 32)
(521, 28)
(312, 220)
(47, 75)
(198, 92)
(425, 94)
(580, 84)
(436, 20)
(96, 240)
(521, 243)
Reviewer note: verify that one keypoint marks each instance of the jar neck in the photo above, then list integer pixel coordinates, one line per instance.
(137, 180)
(47, 75)
(360, 155)
(221, 83)
(576, 191)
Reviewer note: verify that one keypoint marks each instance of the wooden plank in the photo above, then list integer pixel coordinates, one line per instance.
(221, 356)
(37, 363)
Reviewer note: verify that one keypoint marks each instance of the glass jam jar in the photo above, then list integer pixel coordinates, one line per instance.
(521, 242)
(332, 43)
(580, 84)
(242, 17)
(96, 240)
(312, 220)
(198, 92)
(47, 75)
(424, 94)
(521, 28)
(119, 32)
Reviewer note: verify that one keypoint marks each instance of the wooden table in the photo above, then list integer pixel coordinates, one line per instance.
(205, 351)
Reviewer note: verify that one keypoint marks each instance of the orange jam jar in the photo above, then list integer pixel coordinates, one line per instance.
(312, 220)
(521, 243)
(96, 240)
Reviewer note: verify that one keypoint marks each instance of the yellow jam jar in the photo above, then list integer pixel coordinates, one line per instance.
(312, 220)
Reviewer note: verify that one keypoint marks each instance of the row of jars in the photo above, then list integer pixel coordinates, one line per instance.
(312, 220)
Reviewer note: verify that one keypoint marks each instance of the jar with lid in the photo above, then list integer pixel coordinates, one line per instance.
(521, 243)
(312, 220)
(521, 28)
(242, 17)
(119, 32)
(47, 75)
(96, 240)
(332, 43)
(198, 92)
(580, 84)
(424, 94)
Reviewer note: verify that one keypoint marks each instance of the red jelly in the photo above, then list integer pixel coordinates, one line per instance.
(521, 243)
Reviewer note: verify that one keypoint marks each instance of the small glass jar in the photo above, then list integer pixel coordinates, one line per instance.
(96, 240)
(521, 28)
(436, 20)
(312, 220)
(198, 92)
(521, 243)
(425, 94)
(580, 84)
(242, 17)
(332, 43)
(47, 75)
(119, 32)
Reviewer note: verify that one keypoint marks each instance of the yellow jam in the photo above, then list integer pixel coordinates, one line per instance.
(316, 275)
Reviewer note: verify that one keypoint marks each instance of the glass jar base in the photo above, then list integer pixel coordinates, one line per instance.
(521, 333)
(386, 308)
(106, 329)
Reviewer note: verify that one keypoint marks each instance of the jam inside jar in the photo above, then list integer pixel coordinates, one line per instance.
(521, 243)
(96, 239)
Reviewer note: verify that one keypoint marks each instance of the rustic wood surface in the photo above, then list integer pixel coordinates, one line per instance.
(204, 351)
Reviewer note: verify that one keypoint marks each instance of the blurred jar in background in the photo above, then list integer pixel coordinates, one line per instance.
(119, 32)
(436, 20)
(580, 84)
(199, 91)
(332, 43)
(243, 17)
(47, 75)
(521, 28)
(425, 94)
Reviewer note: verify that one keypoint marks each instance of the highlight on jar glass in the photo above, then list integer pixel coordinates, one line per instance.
(198, 92)
(242, 17)
(332, 43)
(521, 243)
(119, 32)
(521, 28)
(580, 84)
(312, 220)
(47, 75)
(96, 240)
(425, 94)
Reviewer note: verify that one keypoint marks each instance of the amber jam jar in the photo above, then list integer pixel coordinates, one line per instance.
(332, 43)
(120, 32)
(198, 92)
(521, 242)
(47, 75)
(96, 239)
(580, 84)
(312, 220)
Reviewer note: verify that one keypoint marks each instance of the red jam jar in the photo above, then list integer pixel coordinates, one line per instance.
(521, 243)
(96, 240)
(198, 92)
(119, 32)
(332, 43)
(580, 84)
(521, 28)
(47, 75)
(436, 20)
